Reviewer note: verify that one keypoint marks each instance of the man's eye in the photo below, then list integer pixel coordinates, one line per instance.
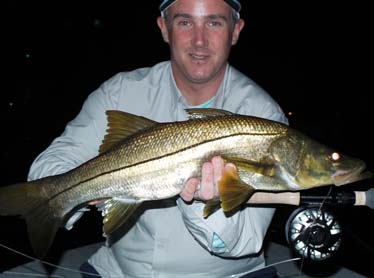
(183, 23)
(215, 23)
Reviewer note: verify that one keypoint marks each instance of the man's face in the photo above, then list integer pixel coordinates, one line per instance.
(200, 34)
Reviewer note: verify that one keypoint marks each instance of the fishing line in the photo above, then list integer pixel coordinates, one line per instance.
(296, 259)
(46, 263)
(31, 274)
(314, 221)
(270, 265)
(281, 262)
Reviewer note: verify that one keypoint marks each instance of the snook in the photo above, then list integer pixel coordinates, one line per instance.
(144, 160)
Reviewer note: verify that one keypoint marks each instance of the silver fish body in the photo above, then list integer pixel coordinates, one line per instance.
(142, 160)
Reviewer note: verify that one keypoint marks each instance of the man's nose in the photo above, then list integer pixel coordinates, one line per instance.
(200, 37)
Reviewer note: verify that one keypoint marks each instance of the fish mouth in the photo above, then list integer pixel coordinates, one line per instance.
(342, 177)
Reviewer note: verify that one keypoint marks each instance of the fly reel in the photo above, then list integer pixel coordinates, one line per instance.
(314, 233)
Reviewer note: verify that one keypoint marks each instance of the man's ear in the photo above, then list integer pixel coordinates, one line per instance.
(164, 30)
(237, 29)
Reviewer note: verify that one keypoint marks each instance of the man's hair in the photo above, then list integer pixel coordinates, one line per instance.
(235, 16)
(235, 4)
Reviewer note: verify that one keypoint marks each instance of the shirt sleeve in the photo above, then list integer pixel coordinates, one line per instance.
(81, 138)
(239, 234)
(234, 236)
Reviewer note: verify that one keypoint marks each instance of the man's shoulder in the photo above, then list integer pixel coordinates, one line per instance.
(245, 96)
(156, 71)
(243, 86)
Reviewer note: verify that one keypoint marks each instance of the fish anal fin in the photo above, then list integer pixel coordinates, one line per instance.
(232, 190)
(122, 125)
(116, 213)
(211, 206)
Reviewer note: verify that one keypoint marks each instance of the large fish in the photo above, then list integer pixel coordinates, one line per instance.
(143, 160)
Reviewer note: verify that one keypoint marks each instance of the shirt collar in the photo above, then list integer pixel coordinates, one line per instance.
(179, 100)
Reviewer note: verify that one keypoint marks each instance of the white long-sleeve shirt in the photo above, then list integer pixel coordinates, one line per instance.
(167, 239)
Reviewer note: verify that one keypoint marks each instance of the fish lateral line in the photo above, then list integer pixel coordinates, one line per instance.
(147, 160)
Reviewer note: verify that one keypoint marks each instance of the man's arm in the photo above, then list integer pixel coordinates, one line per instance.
(80, 140)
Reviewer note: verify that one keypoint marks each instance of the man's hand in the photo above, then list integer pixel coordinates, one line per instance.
(206, 189)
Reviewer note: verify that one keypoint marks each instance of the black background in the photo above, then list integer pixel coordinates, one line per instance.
(314, 58)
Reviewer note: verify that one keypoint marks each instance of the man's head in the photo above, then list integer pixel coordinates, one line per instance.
(200, 34)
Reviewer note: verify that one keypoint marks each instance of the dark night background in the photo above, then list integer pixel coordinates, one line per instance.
(314, 58)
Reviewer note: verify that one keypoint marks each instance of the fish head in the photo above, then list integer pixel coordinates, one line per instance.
(305, 163)
(320, 165)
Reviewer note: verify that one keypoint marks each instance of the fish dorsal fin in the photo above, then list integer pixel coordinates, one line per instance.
(201, 113)
(122, 125)
(116, 213)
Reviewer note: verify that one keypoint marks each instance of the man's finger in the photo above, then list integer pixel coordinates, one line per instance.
(207, 182)
(189, 189)
(218, 166)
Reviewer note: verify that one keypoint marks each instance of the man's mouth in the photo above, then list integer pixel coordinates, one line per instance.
(198, 57)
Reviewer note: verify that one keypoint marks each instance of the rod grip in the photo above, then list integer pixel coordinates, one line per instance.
(356, 198)
(287, 198)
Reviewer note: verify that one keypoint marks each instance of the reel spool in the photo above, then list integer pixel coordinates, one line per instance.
(314, 233)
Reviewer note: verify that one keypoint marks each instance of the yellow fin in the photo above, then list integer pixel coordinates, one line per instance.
(211, 206)
(122, 125)
(116, 213)
(232, 190)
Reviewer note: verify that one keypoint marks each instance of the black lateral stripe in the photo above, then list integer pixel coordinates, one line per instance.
(155, 158)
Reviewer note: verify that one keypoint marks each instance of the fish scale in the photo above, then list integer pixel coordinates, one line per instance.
(142, 160)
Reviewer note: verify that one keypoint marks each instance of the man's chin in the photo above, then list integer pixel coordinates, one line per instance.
(199, 76)
(199, 79)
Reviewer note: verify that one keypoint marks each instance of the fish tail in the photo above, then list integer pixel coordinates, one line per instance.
(30, 201)
(16, 199)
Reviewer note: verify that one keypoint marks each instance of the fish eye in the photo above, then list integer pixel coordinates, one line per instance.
(335, 156)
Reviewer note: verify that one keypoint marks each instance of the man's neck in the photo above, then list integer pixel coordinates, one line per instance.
(198, 93)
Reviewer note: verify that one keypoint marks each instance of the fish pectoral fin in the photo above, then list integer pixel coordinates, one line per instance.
(250, 166)
(211, 206)
(122, 125)
(116, 213)
(232, 190)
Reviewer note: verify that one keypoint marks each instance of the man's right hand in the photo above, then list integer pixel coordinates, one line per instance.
(207, 188)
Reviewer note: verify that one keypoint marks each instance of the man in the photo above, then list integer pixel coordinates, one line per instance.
(173, 239)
